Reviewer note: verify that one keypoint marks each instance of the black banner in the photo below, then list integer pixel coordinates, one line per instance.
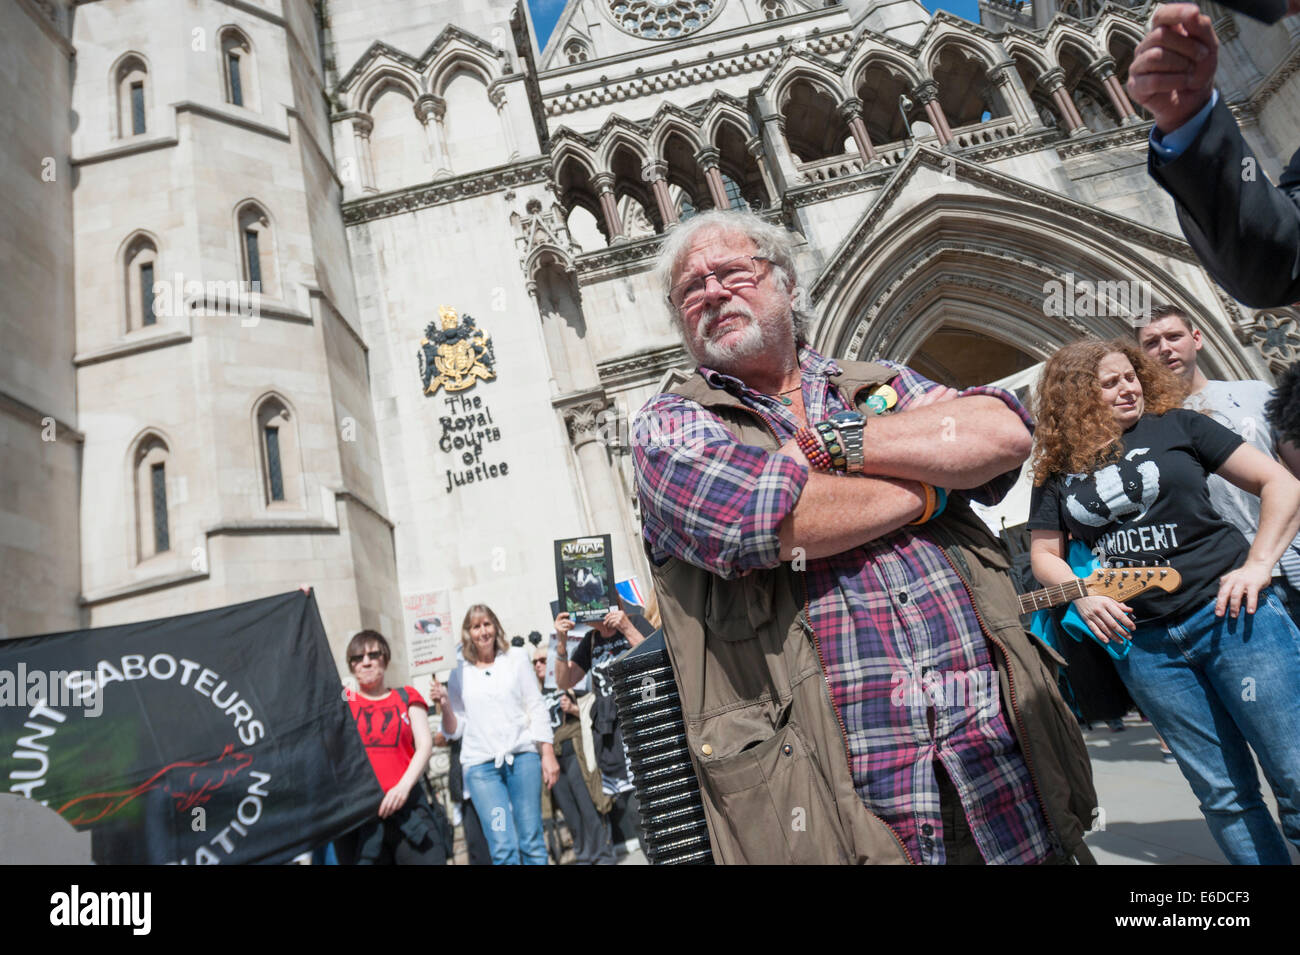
(213, 737)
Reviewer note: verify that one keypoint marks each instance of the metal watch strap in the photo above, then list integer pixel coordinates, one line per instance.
(850, 425)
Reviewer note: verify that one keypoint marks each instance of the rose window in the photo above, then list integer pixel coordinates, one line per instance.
(662, 19)
(1278, 336)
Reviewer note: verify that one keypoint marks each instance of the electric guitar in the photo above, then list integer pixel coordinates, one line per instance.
(1118, 583)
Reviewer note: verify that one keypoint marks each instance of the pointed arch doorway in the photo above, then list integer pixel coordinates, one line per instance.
(963, 357)
(955, 280)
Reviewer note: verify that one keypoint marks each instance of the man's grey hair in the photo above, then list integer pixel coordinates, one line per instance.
(773, 243)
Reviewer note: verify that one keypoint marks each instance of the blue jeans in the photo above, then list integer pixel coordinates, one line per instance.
(1211, 686)
(508, 801)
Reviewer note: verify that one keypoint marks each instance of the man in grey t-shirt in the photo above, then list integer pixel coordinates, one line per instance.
(1170, 339)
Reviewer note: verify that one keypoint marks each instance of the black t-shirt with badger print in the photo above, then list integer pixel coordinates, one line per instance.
(1152, 507)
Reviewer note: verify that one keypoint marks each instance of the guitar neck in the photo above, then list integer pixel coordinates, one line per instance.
(1053, 596)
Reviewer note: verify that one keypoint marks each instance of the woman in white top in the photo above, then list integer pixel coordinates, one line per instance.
(496, 709)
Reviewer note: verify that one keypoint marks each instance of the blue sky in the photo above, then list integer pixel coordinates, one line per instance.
(546, 12)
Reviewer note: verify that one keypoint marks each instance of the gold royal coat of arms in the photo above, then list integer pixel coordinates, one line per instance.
(456, 355)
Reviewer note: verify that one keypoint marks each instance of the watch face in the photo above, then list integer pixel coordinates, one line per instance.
(662, 19)
(847, 417)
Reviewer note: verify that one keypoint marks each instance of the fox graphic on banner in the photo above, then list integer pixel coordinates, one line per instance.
(213, 737)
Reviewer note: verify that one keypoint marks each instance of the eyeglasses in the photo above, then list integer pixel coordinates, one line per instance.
(368, 655)
(740, 272)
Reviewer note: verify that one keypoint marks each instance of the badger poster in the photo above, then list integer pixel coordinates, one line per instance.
(584, 577)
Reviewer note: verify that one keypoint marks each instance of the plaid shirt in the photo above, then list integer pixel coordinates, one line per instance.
(906, 661)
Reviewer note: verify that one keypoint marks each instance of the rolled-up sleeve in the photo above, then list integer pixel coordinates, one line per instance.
(911, 386)
(706, 498)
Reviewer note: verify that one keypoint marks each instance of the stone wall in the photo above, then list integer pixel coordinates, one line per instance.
(40, 448)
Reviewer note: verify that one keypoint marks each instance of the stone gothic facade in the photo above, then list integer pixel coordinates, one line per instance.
(240, 231)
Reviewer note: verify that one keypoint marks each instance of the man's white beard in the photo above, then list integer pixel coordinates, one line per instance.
(757, 338)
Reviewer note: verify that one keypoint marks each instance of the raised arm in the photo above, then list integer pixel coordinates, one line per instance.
(1245, 231)
(567, 673)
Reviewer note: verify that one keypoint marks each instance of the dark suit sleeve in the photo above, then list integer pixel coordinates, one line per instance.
(1245, 231)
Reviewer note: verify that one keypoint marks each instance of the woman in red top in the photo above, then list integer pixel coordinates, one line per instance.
(394, 727)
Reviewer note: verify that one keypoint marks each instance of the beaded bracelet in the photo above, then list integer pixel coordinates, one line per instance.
(811, 446)
(831, 439)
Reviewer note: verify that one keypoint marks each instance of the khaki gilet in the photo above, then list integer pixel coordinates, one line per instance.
(765, 738)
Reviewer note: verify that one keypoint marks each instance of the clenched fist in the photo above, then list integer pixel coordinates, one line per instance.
(1172, 74)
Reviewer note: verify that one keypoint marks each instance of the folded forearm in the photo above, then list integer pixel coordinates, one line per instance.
(963, 443)
(835, 514)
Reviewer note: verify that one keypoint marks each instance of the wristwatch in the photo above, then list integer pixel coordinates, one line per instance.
(850, 425)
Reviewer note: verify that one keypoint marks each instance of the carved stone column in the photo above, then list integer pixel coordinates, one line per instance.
(655, 171)
(780, 162)
(603, 183)
(755, 147)
(497, 96)
(362, 126)
(1103, 70)
(927, 93)
(1005, 81)
(563, 326)
(708, 158)
(583, 421)
(543, 334)
(430, 111)
(851, 112)
(1120, 96)
(1054, 82)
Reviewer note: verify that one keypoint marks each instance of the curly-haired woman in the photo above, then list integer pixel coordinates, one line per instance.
(1121, 466)
(497, 710)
